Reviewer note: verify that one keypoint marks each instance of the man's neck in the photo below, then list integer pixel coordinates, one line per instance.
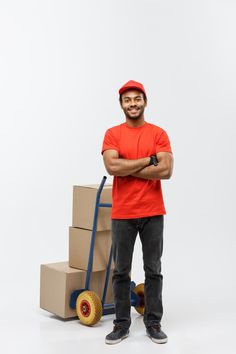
(135, 123)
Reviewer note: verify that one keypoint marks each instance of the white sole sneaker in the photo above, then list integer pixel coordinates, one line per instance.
(109, 341)
(159, 341)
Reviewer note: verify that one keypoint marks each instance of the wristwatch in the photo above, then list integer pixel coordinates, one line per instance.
(153, 160)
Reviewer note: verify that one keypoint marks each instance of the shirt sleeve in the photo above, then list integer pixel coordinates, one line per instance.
(163, 143)
(109, 142)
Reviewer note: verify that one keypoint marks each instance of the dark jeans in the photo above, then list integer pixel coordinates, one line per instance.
(124, 232)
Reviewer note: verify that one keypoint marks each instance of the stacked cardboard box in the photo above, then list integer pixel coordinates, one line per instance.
(59, 280)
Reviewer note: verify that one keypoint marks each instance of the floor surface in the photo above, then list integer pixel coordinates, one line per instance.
(25, 328)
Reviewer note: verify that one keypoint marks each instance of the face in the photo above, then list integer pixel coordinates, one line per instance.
(133, 104)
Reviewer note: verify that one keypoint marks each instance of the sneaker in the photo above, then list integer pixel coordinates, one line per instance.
(117, 335)
(156, 334)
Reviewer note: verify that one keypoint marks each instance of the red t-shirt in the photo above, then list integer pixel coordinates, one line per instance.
(134, 197)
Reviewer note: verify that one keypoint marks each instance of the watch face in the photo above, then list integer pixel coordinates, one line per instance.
(154, 160)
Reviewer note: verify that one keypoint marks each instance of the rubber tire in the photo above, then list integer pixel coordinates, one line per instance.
(89, 308)
(139, 290)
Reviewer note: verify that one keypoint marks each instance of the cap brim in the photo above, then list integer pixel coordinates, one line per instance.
(131, 88)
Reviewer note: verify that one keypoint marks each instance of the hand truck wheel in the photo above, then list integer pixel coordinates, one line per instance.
(89, 308)
(139, 290)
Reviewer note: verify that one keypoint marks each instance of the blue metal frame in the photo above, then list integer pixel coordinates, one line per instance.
(107, 308)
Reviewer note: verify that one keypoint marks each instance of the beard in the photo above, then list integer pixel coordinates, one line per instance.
(138, 113)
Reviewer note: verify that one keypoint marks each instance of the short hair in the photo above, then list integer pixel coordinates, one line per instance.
(144, 96)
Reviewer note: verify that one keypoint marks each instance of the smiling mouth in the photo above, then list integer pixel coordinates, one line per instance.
(133, 110)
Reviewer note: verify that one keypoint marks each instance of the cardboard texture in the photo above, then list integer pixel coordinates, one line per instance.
(58, 281)
(79, 247)
(84, 200)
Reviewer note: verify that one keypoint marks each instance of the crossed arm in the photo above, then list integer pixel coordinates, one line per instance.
(116, 166)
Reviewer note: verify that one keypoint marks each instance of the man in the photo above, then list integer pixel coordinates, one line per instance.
(138, 154)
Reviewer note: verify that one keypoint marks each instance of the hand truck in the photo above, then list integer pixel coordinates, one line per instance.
(89, 307)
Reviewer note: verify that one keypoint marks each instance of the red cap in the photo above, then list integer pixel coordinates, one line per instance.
(132, 85)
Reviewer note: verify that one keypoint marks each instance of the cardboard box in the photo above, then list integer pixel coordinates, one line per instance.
(84, 200)
(79, 247)
(58, 281)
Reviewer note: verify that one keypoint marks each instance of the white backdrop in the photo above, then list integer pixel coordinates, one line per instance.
(61, 65)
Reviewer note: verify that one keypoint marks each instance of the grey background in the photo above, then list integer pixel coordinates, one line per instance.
(61, 65)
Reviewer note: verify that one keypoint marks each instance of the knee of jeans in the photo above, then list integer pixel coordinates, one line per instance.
(121, 273)
(152, 269)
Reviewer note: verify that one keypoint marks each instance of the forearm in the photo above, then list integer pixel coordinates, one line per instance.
(126, 167)
(153, 172)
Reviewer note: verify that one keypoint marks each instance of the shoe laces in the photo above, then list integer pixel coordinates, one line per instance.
(157, 327)
(116, 328)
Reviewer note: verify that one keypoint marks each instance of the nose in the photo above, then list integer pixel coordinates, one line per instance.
(132, 103)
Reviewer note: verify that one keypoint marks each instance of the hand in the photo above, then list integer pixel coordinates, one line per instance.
(153, 160)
